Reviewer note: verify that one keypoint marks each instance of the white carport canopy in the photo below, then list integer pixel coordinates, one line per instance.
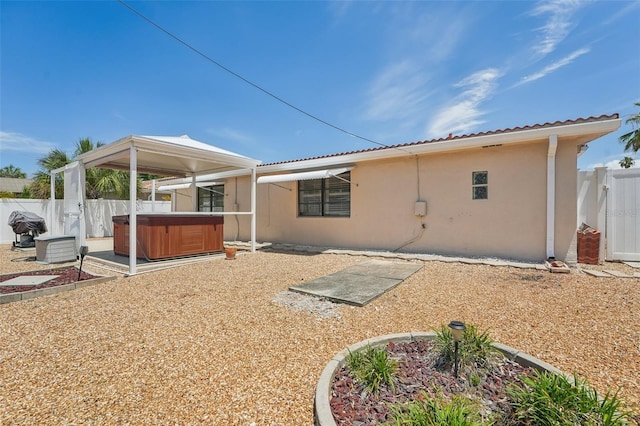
(168, 156)
(315, 174)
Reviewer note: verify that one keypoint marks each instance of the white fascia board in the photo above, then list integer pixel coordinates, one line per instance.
(598, 129)
(210, 176)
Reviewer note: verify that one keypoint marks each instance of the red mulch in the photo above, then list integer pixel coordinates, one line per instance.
(66, 275)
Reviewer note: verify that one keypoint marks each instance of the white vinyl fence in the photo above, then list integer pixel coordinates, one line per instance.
(98, 214)
(609, 201)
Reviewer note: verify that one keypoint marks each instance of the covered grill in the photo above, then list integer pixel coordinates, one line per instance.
(28, 226)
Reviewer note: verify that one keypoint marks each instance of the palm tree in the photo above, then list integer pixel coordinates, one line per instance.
(632, 139)
(11, 171)
(99, 183)
(41, 185)
(627, 162)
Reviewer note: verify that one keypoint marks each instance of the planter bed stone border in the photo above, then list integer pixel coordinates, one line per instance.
(32, 294)
(322, 402)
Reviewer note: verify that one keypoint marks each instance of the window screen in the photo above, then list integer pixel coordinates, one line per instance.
(325, 197)
(211, 198)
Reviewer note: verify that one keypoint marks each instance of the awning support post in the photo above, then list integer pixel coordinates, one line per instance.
(133, 219)
(194, 194)
(253, 210)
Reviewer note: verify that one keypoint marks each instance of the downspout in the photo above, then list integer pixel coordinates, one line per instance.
(551, 196)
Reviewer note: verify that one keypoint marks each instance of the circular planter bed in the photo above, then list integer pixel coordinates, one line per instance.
(341, 399)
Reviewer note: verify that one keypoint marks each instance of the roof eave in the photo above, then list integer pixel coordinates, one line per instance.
(593, 129)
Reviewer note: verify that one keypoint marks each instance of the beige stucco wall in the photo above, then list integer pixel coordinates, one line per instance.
(511, 223)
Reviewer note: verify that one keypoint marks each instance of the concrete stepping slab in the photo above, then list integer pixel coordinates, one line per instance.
(28, 280)
(636, 275)
(383, 269)
(598, 274)
(618, 274)
(635, 265)
(361, 283)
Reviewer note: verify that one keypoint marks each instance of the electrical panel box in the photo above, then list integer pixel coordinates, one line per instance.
(420, 208)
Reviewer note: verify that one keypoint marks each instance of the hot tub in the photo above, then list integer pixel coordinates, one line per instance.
(162, 236)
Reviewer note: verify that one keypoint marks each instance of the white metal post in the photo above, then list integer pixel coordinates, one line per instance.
(52, 206)
(133, 220)
(253, 210)
(153, 195)
(602, 196)
(194, 194)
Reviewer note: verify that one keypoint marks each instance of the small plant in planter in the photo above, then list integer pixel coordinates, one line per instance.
(373, 367)
(431, 412)
(552, 399)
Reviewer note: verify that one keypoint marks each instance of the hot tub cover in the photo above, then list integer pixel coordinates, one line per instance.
(23, 222)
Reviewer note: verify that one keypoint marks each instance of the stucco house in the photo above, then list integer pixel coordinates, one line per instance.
(14, 186)
(506, 193)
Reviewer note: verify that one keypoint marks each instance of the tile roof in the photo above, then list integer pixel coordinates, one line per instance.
(15, 185)
(452, 137)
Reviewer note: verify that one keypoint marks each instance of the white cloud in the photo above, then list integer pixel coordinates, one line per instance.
(230, 134)
(613, 164)
(553, 67)
(465, 114)
(558, 25)
(10, 141)
(397, 92)
(339, 8)
(621, 13)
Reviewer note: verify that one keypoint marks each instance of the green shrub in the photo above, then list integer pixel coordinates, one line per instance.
(373, 367)
(551, 399)
(431, 412)
(475, 350)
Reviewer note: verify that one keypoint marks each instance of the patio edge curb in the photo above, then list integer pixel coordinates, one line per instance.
(32, 294)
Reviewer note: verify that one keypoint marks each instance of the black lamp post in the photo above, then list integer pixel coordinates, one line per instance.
(457, 330)
(83, 252)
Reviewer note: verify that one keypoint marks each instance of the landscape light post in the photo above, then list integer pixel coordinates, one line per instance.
(457, 330)
(83, 252)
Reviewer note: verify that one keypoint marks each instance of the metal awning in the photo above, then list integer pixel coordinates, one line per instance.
(315, 174)
(185, 186)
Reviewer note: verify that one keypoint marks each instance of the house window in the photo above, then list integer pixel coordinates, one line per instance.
(480, 185)
(211, 198)
(325, 197)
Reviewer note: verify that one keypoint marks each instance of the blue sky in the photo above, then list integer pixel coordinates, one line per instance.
(392, 72)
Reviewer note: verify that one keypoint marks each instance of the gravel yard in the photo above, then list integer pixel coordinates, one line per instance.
(222, 343)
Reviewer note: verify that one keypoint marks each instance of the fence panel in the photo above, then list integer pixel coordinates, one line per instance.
(623, 215)
(98, 214)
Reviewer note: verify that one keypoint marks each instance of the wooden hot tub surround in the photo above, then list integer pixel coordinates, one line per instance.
(162, 236)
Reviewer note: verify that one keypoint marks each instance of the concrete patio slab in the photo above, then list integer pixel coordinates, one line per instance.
(635, 265)
(618, 274)
(598, 274)
(28, 280)
(361, 283)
